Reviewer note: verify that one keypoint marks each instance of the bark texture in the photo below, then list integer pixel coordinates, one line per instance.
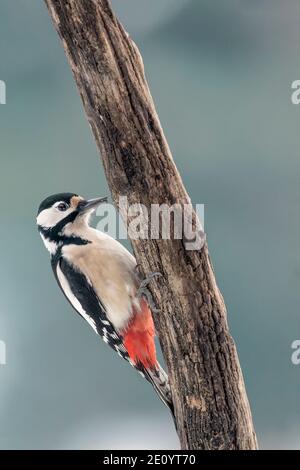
(211, 405)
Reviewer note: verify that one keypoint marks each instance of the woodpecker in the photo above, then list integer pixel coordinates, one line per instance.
(99, 277)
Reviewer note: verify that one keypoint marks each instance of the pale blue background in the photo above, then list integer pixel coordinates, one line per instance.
(220, 74)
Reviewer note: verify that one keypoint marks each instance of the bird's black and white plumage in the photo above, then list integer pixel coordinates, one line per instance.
(98, 276)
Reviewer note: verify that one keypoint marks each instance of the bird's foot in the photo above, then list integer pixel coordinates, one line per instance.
(143, 291)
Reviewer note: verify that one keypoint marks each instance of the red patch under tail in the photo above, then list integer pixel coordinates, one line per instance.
(139, 337)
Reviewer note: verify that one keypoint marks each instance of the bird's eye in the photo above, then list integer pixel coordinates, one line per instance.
(62, 206)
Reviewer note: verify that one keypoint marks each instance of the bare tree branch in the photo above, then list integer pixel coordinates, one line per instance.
(211, 406)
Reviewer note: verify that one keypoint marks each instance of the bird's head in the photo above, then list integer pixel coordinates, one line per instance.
(64, 212)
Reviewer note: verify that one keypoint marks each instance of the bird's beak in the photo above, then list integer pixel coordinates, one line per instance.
(85, 206)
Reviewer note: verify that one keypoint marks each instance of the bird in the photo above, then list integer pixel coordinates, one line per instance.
(99, 278)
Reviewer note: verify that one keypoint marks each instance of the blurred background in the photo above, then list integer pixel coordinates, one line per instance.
(220, 74)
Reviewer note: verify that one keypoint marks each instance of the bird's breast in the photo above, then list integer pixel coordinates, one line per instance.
(111, 273)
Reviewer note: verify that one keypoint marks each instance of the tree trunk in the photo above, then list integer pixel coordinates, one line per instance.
(211, 405)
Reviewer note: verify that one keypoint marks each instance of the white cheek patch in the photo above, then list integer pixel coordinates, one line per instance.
(51, 216)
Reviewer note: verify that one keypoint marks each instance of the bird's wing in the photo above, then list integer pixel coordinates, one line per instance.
(81, 295)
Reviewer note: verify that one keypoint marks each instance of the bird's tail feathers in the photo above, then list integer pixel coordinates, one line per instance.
(159, 380)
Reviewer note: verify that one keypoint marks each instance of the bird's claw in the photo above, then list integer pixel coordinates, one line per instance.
(143, 291)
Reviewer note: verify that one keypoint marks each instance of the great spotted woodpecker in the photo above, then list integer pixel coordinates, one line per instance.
(99, 278)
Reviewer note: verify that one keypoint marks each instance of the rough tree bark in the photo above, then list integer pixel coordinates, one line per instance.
(211, 406)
